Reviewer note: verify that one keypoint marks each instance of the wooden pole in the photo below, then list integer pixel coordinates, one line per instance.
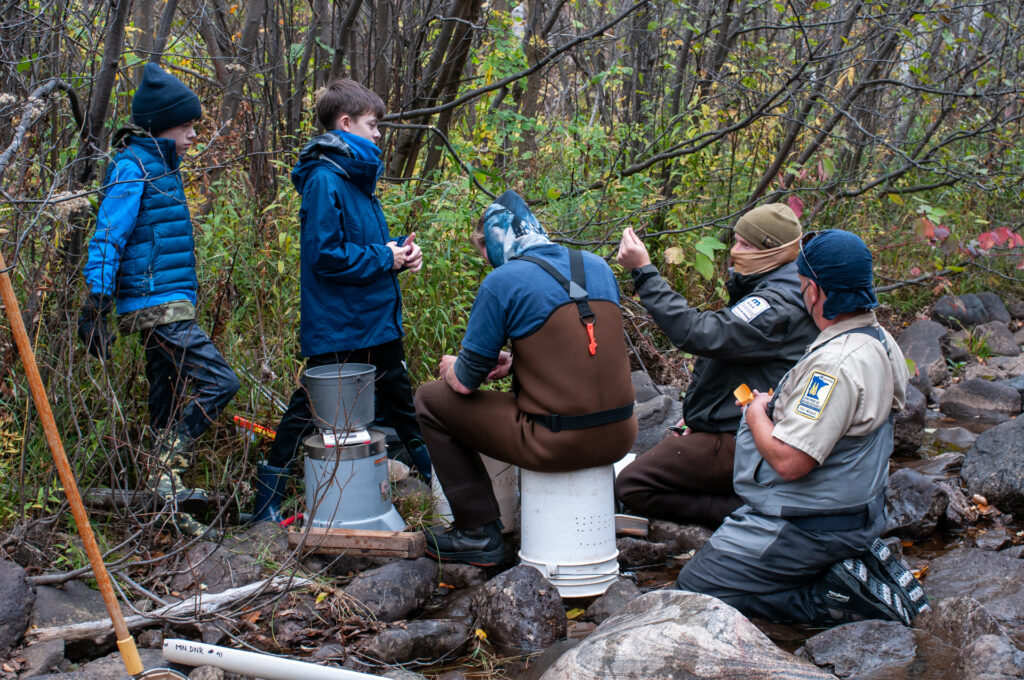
(125, 641)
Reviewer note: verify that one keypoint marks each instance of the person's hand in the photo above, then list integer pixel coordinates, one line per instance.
(445, 365)
(760, 401)
(92, 325)
(399, 253)
(414, 256)
(632, 251)
(679, 429)
(502, 368)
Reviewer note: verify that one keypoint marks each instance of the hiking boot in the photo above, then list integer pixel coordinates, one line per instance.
(173, 454)
(850, 587)
(270, 486)
(887, 568)
(480, 546)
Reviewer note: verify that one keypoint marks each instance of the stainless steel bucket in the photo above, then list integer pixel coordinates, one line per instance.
(341, 395)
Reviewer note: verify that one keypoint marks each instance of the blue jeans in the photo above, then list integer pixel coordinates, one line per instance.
(190, 383)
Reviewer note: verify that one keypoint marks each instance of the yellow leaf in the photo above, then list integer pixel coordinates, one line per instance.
(321, 597)
(480, 634)
(674, 255)
(896, 198)
(573, 613)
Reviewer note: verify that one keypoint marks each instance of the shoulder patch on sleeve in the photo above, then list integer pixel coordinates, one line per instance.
(815, 395)
(749, 307)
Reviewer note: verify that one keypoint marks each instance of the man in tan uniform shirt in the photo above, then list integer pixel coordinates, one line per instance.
(812, 466)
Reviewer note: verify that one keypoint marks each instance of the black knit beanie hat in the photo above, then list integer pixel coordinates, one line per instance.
(162, 101)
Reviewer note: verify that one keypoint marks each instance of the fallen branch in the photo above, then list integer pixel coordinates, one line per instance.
(192, 607)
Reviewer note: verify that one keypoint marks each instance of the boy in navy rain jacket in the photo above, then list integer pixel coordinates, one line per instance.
(351, 302)
(142, 257)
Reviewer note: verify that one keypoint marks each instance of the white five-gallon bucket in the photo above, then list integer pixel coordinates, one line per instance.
(568, 529)
(504, 481)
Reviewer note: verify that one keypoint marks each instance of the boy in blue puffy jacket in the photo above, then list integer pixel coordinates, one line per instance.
(351, 302)
(142, 260)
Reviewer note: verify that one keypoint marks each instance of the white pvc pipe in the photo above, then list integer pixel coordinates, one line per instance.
(253, 664)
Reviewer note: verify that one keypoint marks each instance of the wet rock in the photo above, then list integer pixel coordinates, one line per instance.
(938, 466)
(16, 598)
(108, 667)
(540, 664)
(994, 306)
(957, 437)
(456, 605)
(991, 657)
(921, 342)
(982, 400)
(958, 621)
(995, 580)
(675, 634)
(1016, 383)
(150, 639)
(996, 368)
(635, 552)
(909, 426)
(998, 339)
(960, 311)
(520, 610)
(1016, 310)
(960, 511)
(644, 387)
(615, 599)
(996, 539)
(914, 504)
(654, 416)
(955, 347)
(393, 591)
(679, 537)
(461, 575)
(431, 639)
(994, 466)
(862, 648)
(42, 657)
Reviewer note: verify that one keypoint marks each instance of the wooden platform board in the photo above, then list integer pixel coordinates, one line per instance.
(408, 544)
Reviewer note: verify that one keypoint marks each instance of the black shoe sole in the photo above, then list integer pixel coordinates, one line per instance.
(478, 558)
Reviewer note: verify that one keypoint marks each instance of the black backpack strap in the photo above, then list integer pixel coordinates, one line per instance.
(576, 289)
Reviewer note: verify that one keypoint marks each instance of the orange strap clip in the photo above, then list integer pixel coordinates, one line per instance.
(593, 342)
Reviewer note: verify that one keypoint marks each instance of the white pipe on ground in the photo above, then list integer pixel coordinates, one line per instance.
(253, 664)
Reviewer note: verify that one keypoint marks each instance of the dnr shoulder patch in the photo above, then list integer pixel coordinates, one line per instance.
(815, 395)
(748, 308)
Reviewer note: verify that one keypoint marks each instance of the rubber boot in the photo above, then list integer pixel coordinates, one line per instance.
(270, 484)
(173, 453)
(482, 546)
(420, 458)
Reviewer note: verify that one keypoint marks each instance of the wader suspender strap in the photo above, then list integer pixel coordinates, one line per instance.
(576, 288)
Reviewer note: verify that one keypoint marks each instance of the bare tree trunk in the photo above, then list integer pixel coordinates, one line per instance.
(164, 32)
(348, 20)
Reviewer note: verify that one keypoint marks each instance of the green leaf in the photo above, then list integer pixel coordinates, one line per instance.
(820, 5)
(708, 245)
(554, 193)
(702, 263)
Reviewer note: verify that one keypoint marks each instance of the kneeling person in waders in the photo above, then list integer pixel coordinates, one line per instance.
(143, 255)
(812, 465)
(571, 406)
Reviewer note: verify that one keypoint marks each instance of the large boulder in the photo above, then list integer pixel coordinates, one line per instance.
(878, 649)
(994, 306)
(914, 503)
(998, 338)
(996, 368)
(393, 591)
(680, 538)
(909, 427)
(980, 400)
(991, 657)
(960, 311)
(431, 639)
(520, 610)
(108, 667)
(995, 580)
(16, 598)
(922, 343)
(636, 552)
(676, 634)
(994, 466)
(958, 621)
(614, 600)
(653, 417)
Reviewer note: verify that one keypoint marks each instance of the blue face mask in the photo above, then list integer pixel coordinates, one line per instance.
(510, 229)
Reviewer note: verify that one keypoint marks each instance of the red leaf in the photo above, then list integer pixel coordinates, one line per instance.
(795, 204)
(925, 228)
(1017, 240)
(915, 271)
(1020, 265)
(986, 240)
(1002, 235)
